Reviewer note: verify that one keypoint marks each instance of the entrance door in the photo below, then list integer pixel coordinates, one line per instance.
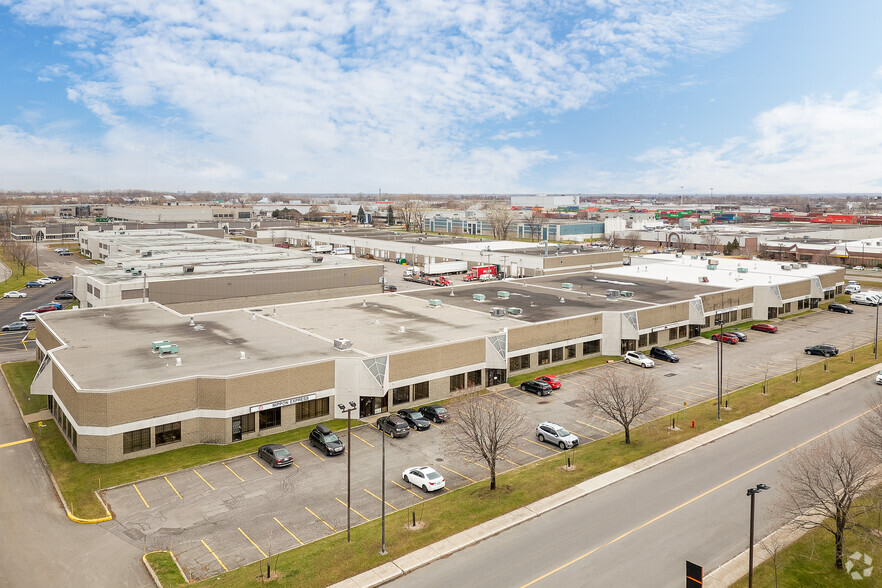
(237, 428)
(694, 331)
(628, 345)
(495, 377)
(366, 406)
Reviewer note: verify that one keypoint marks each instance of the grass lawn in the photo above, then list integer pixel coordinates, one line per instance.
(331, 559)
(17, 281)
(166, 569)
(20, 374)
(79, 481)
(559, 370)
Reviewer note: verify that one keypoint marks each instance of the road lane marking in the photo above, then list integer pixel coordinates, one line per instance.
(16, 443)
(362, 440)
(522, 451)
(261, 465)
(234, 473)
(135, 486)
(311, 451)
(350, 508)
(408, 490)
(696, 498)
(380, 499)
(593, 427)
(203, 479)
(456, 472)
(252, 542)
(289, 531)
(320, 518)
(215, 555)
(173, 487)
(544, 445)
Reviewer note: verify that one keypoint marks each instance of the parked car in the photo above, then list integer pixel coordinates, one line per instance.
(725, 338)
(414, 419)
(15, 294)
(57, 305)
(536, 387)
(60, 249)
(825, 350)
(56, 278)
(47, 280)
(764, 327)
(859, 268)
(65, 296)
(322, 437)
(435, 413)
(663, 354)
(393, 425)
(836, 307)
(28, 316)
(879, 378)
(16, 326)
(390, 288)
(852, 289)
(275, 455)
(424, 477)
(741, 336)
(551, 381)
(45, 308)
(864, 298)
(64, 253)
(556, 435)
(638, 358)
(34, 285)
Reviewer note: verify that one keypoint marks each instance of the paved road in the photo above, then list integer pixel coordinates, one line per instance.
(640, 531)
(39, 546)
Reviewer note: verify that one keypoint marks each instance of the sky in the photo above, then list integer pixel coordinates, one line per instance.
(442, 96)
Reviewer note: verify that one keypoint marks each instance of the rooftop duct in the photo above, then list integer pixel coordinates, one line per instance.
(342, 344)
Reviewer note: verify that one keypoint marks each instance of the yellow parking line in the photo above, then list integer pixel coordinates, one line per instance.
(215, 555)
(321, 519)
(408, 490)
(252, 542)
(234, 473)
(690, 393)
(604, 419)
(545, 445)
(350, 508)
(173, 487)
(514, 463)
(677, 404)
(289, 531)
(16, 443)
(378, 498)
(261, 465)
(522, 451)
(362, 440)
(311, 451)
(135, 486)
(477, 464)
(510, 398)
(593, 427)
(456, 472)
(203, 479)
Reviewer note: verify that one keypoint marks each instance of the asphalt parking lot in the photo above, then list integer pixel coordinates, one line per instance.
(225, 515)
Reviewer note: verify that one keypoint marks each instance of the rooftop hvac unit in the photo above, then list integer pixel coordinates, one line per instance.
(188, 269)
(503, 294)
(479, 297)
(711, 266)
(515, 311)
(803, 265)
(170, 348)
(786, 266)
(157, 344)
(566, 286)
(317, 258)
(742, 270)
(342, 344)
(613, 294)
(497, 311)
(434, 302)
(794, 265)
(627, 294)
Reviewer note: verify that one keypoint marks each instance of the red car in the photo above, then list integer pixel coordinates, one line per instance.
(725, 338)
(45, 308)
(550, 380)
(764, 327)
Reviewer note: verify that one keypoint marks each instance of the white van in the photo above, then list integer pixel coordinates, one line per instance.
(852, 289)
(865, 298)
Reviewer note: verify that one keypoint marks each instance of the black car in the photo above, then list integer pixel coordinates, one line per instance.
(393, 425)
(435, 413)
(65, 296)
(56, 278)
(738, 335)
(414, 419)
(536, 387)
(390, 288)
(275, 455)
(322, 437)
(835, 307)
(663, 354)
(825, 350)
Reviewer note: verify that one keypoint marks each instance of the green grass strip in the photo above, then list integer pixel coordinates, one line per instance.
(20, 374)
(165, 568)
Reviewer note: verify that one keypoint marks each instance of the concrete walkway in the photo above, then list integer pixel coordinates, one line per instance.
(726, 573)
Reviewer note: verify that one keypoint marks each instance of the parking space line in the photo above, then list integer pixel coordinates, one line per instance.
(320, 518)
(135, 486)
(604, 419)
(215, 555)
(362, 440)
(514, 463)
(289, 531)
(456, 472)
(16, 443)
(261, 465)
(477, 464)
(311, 451)
(380, 499)
(690, 393)
(510, 398)
(522, 451)
(544, 445)
(350, 508)
(409, 490)
(593, 427)
(173, 487)
(203, 479)
(252, 542)
(232, 472)
(677, 404)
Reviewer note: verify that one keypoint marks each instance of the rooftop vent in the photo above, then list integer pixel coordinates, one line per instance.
(317, 258)
(503, 294)
(613, 294)
(497, 311)
(786, 266)
(342, 344)
(188, 269)
(515, 311)
(479, 297)
(627, 294)
(242, 355)
(566, 286)
(401, 329)
(434, 302)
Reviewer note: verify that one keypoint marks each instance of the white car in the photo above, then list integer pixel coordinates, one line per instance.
(638, 358)
(27, 316)
(46, 281)
(852, 289)
(15, 294)
(556, 435)
(858, 268)
(424, 477)
(879, 378)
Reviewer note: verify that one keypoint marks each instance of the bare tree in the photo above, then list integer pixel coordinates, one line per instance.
(501, 218)
(622, 398)
(772, 546)
(410, 212)
(535, 222)
(483, 427)
(20, 252)
(821, 483)
(710, 240)
(631, 239)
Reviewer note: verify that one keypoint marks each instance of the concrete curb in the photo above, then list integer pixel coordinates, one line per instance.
(421, 557)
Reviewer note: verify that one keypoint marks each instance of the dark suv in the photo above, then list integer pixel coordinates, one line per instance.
(663, 354)
(322, 437)
(435, 413)
(536, 387)
(414, 418)
(393, 425)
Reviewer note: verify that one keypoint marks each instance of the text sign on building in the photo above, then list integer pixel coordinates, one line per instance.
(284, 402)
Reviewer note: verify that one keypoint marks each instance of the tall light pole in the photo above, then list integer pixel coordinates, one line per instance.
(383, 494)
(876, 336)
(720, 322)
(348, 412)
(752, 492)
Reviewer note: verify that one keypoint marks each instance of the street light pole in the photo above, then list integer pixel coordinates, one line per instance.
(383, 494)
(348, 412)
(719, 321)
(752, 492)
(876, 336)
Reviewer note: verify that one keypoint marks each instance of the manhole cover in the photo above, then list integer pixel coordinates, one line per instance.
(669, 375)
(439, 459)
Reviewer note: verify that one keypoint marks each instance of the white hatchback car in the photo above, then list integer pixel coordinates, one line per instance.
(638, 358)
(15, 294)
(27, 316)
(424, 477)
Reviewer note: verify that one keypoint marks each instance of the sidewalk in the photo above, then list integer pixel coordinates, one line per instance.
(421, 557)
